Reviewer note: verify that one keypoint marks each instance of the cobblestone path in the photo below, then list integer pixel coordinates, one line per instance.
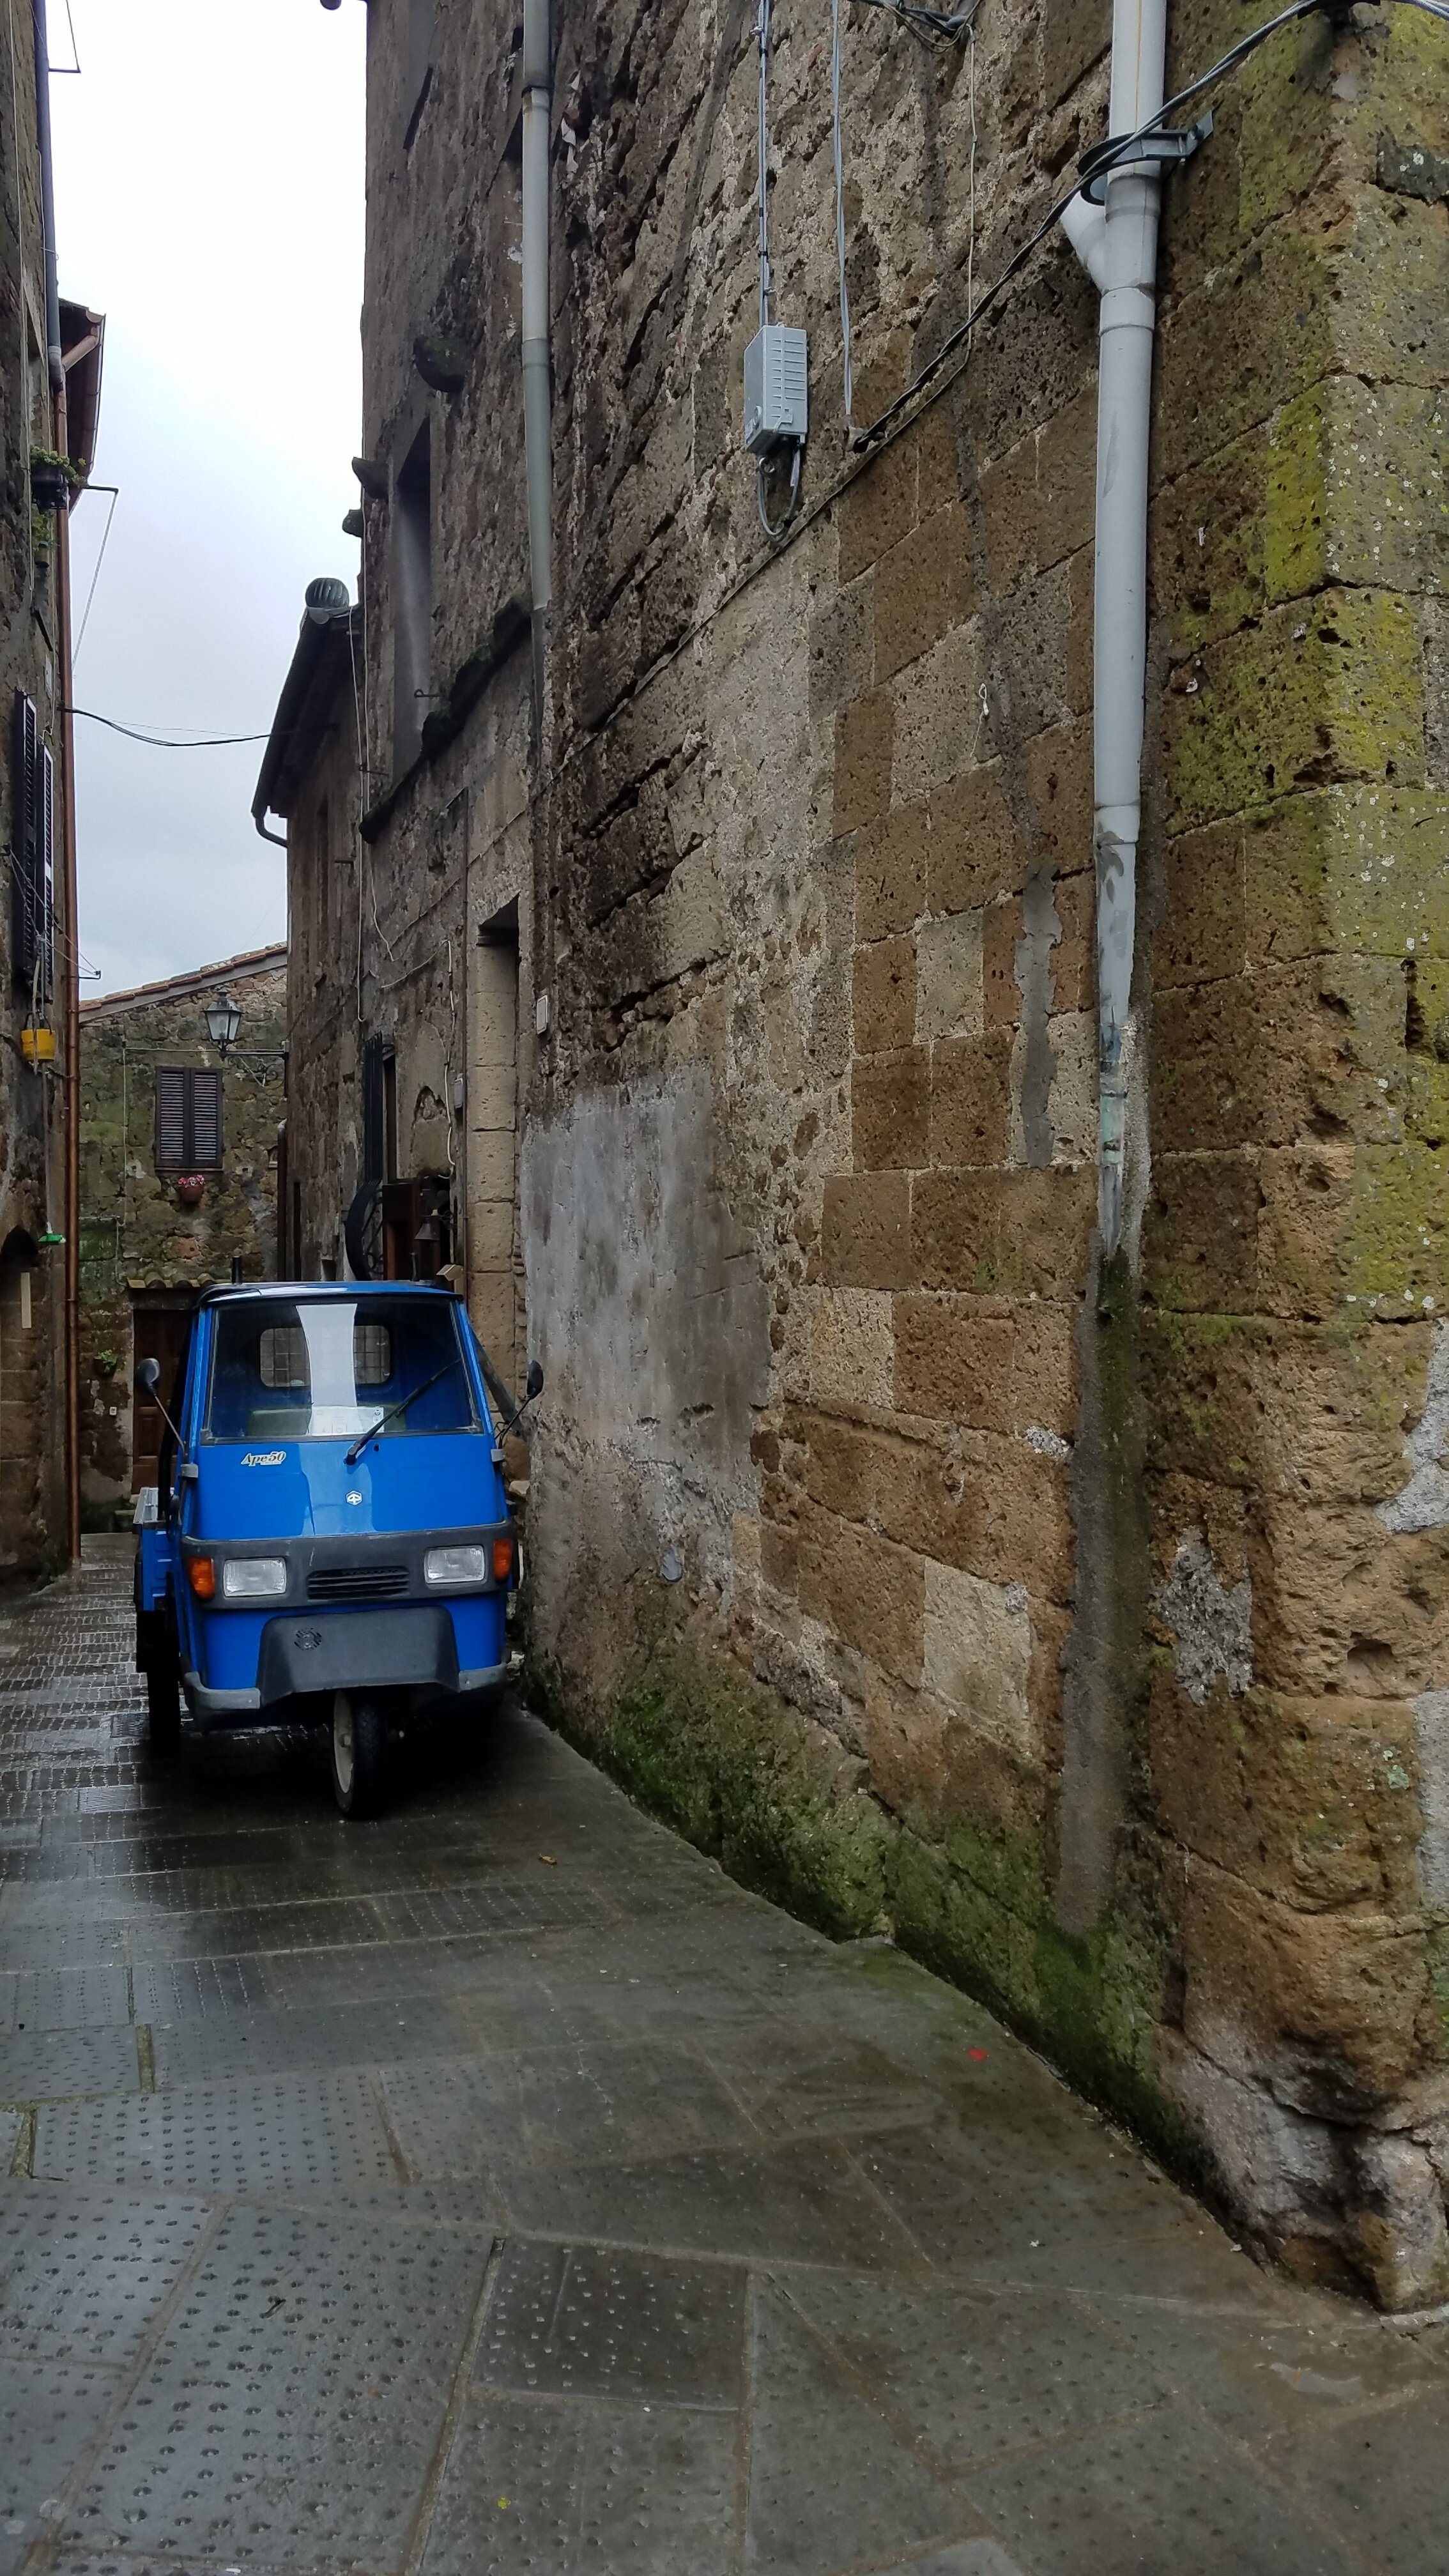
(497, 2188)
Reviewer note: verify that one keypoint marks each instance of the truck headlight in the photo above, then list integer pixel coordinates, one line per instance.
(253, 1578)
(455, 1565)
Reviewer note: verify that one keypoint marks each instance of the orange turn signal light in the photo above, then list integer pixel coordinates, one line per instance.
(502, 1559)
(201, 1575)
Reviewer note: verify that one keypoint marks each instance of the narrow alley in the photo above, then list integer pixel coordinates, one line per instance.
(499, 2187)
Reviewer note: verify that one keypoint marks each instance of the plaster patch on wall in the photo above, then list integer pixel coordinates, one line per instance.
(1423, 1503)
(1431, 1729)
(1211, 1627)
(977, 1640)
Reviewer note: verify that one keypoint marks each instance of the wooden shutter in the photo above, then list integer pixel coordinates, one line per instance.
(188, 1118)
(170, 1119)
(204, 1142)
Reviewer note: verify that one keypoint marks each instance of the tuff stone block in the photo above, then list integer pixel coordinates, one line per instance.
(865, 1236)
(884, 996)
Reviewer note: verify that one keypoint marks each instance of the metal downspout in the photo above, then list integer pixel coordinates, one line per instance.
(1118, 247)
(537, 394)
(55, 364)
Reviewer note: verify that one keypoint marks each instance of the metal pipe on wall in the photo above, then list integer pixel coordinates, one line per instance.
(71, 1070)
(537, 390)
(1117, 244)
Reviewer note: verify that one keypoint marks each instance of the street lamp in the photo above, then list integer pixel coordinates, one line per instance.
(223, 1022)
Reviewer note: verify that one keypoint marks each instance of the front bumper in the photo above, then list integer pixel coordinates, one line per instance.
(349, 1650)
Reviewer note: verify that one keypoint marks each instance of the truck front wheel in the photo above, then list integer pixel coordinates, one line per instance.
(359, 1755)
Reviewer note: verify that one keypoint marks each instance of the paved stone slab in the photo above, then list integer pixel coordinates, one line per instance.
(590, 2321)
(64, 1999)
(297, 2397)
(309, 2132)
(969, 2373)
(198, 2050)
(50, 2412)
(1381, 2479)
(557, 2107)
(1164, 2496)
(535, 2485)
(82, 2274)
(50, 2066)
(801, 2203)
(831, 2484)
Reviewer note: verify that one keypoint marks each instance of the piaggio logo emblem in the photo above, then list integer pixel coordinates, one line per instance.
(265, 1458)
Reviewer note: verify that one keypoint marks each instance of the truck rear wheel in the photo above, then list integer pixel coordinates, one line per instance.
(163, 1709)
(359, 1755)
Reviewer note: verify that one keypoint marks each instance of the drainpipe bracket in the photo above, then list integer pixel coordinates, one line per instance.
(1149, 153)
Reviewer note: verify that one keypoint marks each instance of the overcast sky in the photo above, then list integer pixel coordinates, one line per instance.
(209, 203)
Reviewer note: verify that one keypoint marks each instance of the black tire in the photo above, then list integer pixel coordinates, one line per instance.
(358, 1740)
(163, 1709)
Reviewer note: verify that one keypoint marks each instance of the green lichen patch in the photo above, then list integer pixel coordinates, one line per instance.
(735, 1771)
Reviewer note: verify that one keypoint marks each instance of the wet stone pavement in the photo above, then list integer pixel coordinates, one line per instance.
(497, 2188)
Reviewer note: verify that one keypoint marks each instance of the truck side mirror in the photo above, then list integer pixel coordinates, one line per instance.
(148, 1376)
(535, 1381)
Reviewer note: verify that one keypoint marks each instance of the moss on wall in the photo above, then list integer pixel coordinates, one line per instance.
(742, 1776)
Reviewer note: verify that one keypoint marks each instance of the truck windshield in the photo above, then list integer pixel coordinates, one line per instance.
(332, 1368)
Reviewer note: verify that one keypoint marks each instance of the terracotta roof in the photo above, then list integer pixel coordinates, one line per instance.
(252, 961)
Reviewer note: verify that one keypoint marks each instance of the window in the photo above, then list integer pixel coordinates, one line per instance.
(32, 861)
(412, 589)
(188, 1118)
(314, 1369)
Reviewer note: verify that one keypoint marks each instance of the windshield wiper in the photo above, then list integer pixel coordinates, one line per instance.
(393, 1410)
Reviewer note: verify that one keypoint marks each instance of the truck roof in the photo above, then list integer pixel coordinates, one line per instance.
(291, 1289)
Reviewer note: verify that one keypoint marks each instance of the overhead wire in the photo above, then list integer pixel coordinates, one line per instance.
(114, 490)
(167, 742)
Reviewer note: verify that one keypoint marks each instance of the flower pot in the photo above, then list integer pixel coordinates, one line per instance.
(50, 486)
(191, 1188)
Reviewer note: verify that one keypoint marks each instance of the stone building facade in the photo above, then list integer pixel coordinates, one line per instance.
(1082, 1623)
(43, 348)
(180, 1149)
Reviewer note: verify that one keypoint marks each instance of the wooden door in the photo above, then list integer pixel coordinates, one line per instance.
(158, 1333)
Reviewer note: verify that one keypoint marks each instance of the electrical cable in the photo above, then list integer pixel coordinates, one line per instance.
(166, 742)
(775, 528)
(1105, 158)
(762, 37)
(115, 493)
(941, 25)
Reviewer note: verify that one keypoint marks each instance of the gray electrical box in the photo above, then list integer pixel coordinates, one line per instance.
(777, 390)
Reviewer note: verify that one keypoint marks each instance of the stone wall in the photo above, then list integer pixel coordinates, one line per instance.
(1082, 1625)
(138, 1237)
(32, 1148)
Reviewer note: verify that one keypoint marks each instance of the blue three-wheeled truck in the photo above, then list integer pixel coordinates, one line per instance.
(329, 1542)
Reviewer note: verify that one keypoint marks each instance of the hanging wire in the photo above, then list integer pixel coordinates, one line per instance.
(775, 528)
(933, 26)
(114, 490)
(762, 37)
(167, 742)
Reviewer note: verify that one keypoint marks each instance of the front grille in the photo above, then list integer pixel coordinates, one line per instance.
(356, 1582)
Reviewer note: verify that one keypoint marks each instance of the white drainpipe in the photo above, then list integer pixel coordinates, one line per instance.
(1117, 245)
(537, 393)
